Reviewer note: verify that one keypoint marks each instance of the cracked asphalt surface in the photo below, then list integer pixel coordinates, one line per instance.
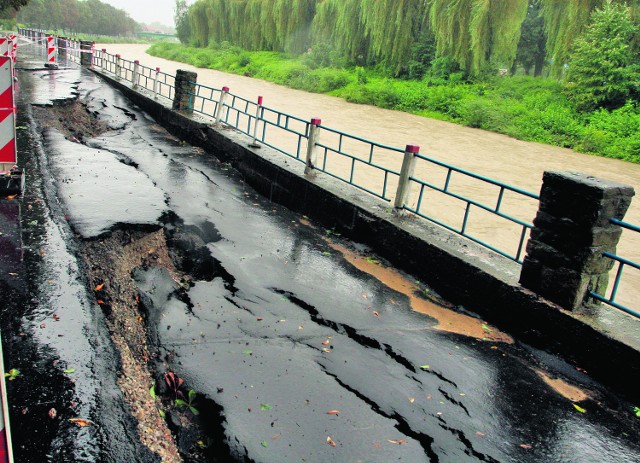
(309, 345)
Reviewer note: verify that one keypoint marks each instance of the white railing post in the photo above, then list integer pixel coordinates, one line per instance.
(404, 185)
(118, 66)
(155, 84)
(103, 58)
(254, 143)
(314, 136)
(223, 97)
(136, 72)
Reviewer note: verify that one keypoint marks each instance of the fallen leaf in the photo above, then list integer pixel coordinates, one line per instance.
(375, 312)
(331, 442)
(53, 413)
(265, 407)
(579, 408)
(99, 287)
(81, 422)
(412, 399)
(70, 370)
(424, 367)
(247, 352)
(525, 446)
(481, 434)
(636, 410)
(11, 197)
(100, 301)
(56, 317)
(301, 327)
(397, 442)
(326, 343)
(264, 443)
(259, 319)
(324, 349)
(276, 437)
(333, 412)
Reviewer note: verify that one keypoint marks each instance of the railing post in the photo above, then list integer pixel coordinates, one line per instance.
(103, 59)
(136, 71)
(314, 136)
(118, 66)
(570, 232)
(404, 183)
(223, 97)
(86, 53)
(254, 143)
(155, 84)
(185, 87)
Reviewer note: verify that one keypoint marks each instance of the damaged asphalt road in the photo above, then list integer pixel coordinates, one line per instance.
(164, 269)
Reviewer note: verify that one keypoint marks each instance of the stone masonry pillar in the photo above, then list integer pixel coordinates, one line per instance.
(571, 230)
(185, 87)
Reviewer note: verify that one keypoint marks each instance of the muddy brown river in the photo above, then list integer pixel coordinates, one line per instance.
(499, 157)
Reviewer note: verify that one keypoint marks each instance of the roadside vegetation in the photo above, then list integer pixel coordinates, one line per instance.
(562, 73)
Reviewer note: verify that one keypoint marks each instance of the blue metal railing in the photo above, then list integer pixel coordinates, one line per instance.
(346, 157)
(622, 262)
(495, 208)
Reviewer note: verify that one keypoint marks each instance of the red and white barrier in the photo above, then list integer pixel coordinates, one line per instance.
(4, 46)
(51, 52)
(8, 153)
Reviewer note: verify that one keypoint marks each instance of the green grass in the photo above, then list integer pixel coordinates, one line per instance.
(526, 108)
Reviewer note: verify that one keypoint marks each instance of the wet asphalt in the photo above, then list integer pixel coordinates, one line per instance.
(306, 342)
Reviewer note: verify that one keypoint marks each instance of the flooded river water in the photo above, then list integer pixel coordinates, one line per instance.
(499, 157)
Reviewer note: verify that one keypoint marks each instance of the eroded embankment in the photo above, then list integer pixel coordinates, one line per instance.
(172, 432)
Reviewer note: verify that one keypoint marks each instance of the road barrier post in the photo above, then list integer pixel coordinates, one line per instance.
(103, 59)
(314, 137)
(86, 53)
(404, 183)
(259, 110)
(136, 71)
(11, 177)
(51, 53)
(571, 231)
(155, 84)
(223, 97)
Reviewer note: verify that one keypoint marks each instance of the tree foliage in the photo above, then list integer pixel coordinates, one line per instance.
(604, 72)
(15, 4)
(89, 16)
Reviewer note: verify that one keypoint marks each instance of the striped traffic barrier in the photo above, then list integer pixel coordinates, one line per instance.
(51, 53)
(4, 46)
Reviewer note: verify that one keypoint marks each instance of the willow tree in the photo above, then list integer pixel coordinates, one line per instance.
(338, 23)
(476, 32)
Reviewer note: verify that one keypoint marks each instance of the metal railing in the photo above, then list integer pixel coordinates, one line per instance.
(622, 262)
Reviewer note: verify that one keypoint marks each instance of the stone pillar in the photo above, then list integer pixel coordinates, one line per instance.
(571, 230)
(62, 48)
(185, 87)
(86, 57)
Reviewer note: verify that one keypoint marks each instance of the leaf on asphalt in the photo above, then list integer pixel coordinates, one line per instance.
(11, 197)
(328, 351)
(397, 442)
(152, 392)
(247, 352)
(525, 446)
(53, 413)
(99, 287)
(425, 367)
(162, 413)
(412, 399)
(264, 443)
(301, 327)
(326, 343)
(265, 407)
(100, 301)
(333, 412)
(331, 442)
(375, 312)
(481, 434)
(70, 370)
(82, 422)
(579, 408)
(636, 410)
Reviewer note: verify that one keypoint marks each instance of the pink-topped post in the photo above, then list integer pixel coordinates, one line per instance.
(155, 84)
(254, 143)
(223, 97)
(404, 185)
(314, 137)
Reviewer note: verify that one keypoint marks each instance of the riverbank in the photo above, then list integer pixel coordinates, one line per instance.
(526, 108)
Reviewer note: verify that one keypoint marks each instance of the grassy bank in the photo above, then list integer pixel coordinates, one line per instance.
(522, 107)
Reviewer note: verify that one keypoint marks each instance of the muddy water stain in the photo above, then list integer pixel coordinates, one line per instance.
(448, 320)
(566, 390)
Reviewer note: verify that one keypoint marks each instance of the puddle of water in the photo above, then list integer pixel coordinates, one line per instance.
(566, 390)
(448, 320)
